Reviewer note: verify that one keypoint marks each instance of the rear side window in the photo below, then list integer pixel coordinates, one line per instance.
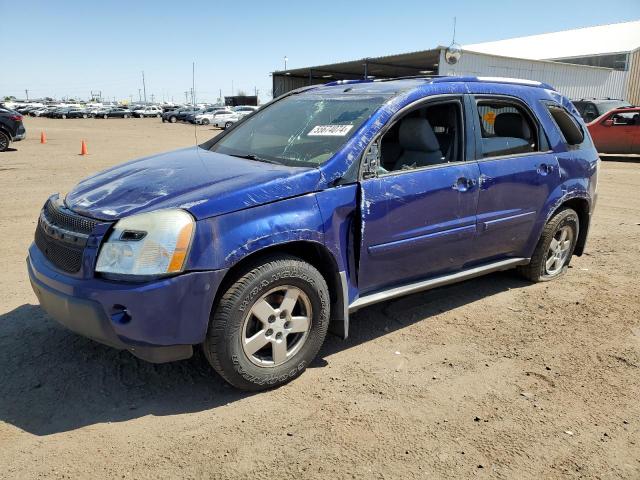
(506, 128)
(569, 127)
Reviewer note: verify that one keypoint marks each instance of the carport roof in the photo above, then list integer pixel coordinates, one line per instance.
(423, 62)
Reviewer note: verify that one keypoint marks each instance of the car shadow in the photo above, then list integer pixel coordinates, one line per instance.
(386, 317)
(620, 158)
(55, 381)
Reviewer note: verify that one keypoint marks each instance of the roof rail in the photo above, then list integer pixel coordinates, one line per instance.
(513, 81)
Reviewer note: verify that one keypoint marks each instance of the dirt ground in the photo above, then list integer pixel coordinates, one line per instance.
(491, 378)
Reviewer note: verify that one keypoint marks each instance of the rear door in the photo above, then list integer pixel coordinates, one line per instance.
(518, 171)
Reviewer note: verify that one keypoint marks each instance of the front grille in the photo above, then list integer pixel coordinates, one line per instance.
(61, 235)
(59, 215)
(65, 257)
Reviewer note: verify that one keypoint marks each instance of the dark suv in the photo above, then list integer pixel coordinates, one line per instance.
(11, 128)
(591, 109)
(327, 200)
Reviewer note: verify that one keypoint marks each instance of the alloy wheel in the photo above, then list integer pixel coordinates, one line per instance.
(277, 326)
(559, 250)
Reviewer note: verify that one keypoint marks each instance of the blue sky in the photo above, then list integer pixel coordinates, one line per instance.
(68, 48)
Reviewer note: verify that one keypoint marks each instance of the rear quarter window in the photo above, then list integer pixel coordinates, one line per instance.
(572, 132)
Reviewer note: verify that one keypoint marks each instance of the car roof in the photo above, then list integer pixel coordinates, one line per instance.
(398, 85)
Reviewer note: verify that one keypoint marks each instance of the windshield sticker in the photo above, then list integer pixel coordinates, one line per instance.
(329, 130)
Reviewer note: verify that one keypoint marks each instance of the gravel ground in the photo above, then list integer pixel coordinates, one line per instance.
(491, 378)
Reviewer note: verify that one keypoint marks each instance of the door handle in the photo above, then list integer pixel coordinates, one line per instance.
(463, 184)
(545, 169)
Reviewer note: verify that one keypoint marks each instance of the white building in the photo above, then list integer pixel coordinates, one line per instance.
(596, 62)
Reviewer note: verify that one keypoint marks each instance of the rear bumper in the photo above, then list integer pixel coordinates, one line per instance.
(21, 134)
(157, 321)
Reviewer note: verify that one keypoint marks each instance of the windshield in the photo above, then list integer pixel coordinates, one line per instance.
(300, 130)
(604, 107)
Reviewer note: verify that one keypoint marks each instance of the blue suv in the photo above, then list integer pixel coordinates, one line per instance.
(258, 242)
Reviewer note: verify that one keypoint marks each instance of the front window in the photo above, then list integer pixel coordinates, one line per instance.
(300, 130)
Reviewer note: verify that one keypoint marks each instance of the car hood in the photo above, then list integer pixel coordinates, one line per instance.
(203, 182)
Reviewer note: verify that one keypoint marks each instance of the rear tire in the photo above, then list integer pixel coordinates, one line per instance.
(4, 141)
(173, 119)
(205, 121)
(555, 248)
(227, 125)
(269, 324)
(105, 116)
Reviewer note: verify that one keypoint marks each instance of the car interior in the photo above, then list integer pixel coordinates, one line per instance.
(506, 130)
(427, 136)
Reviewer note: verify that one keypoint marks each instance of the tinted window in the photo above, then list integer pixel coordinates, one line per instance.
(569, 127)
(506, 128)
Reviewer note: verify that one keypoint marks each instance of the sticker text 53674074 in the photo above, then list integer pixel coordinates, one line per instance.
(330, 130)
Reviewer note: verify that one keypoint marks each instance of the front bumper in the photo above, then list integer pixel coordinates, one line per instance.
(157, 321)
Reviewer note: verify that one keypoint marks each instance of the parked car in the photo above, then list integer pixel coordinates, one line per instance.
(115, 112)
(325, 201)
(206, 117)
(39, 112)
(590, 109)
(11, 128)
(71, 113)
(225, 119)
(617, 131)
(244, 110)
(148, 111)
(174, 116)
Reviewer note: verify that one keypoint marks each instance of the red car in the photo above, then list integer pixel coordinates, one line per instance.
(617, 131)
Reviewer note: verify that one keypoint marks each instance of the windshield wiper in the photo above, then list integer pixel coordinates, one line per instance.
(251, 156)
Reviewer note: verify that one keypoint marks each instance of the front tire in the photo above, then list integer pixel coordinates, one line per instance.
(205, 121)
(555, 248)
(269, 325)
(173, 119)
(227, 125)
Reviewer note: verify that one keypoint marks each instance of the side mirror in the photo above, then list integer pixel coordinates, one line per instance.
(608, 122)
(371, 161)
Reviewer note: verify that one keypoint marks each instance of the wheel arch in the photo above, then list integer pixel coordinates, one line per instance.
(581, 206)
(312, 252)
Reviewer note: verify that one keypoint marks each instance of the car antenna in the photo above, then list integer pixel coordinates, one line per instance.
(193, 100)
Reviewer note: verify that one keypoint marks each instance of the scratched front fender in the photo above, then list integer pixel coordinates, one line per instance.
(222, 241)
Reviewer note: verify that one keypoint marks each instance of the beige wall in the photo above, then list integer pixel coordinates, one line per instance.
(633, 80)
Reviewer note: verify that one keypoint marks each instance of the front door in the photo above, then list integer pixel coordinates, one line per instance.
(418, 215)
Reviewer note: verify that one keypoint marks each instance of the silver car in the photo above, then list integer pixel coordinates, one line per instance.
(221, 118)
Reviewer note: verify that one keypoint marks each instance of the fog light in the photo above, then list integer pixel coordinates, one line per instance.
(120, 315)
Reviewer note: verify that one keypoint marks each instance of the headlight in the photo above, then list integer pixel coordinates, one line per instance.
(154, 243)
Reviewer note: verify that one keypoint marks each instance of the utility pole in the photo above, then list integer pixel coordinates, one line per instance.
(220, 98)
(27, 94)
(285, 62)
(130, 99)
(232, 88)
(144, 88)
(186, 97)
(152, 97)
(140, 94)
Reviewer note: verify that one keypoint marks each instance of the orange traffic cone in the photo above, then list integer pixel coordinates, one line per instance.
(83, 148)
(43, 137)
